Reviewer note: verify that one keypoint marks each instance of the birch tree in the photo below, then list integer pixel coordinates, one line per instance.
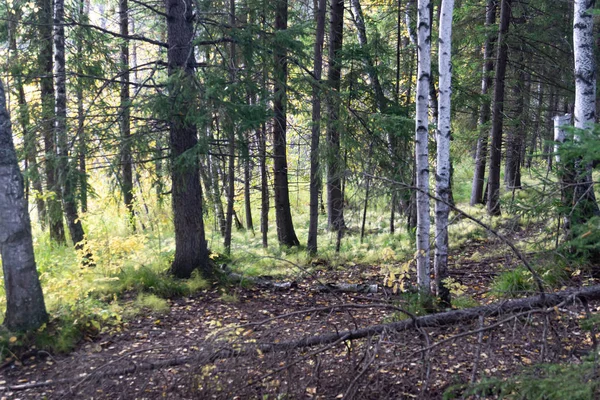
(25, 308)
(421, 145)
(584, 201)
(442, 210)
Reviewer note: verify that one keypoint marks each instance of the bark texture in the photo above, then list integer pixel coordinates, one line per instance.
(484, 110)
(493, 200)
(421, 144)
(335, 167)
(65, 177)
(190, 245)
(45, 63)
(315, 175)
(442, 177)
(283, 215)
(25, 308)
(125, 117)
(584, 201)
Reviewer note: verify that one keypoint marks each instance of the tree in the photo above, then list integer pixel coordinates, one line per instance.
(125, 115)
(65, 177)
(442, 209)
(25, 308)
(484, 109)
(335, 200)
(584, 200)
(493, 204)
(421, 144)
(191, 250)
(230, 127)
(315, 175)
(46, 73)
(283, 215)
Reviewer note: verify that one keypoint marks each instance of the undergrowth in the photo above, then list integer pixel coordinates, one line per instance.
(541, 382)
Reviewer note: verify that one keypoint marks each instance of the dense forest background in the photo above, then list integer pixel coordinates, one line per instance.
(182, 147)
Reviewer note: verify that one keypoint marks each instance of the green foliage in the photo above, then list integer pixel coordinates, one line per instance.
(515, 283)
(148, 279)
(152, 303)
(542, 382)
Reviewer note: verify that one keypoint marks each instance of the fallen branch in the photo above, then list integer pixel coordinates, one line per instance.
(428, 321)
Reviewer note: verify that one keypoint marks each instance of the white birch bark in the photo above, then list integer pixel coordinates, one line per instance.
(421, 145)
(584, 199)
(25, 309)
(560, 121)
(585, 71)
(442, 176)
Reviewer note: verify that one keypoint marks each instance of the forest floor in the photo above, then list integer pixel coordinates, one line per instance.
(393, 365)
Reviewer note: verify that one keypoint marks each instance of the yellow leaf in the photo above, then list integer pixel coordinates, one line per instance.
(12, 339)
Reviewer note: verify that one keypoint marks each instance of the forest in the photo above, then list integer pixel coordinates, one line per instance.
(285, 199)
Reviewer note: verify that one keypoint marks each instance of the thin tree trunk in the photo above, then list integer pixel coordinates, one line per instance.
(421, 145)
(549, 115)
(191, 250)
(315, 175)
(261, 134)
(493, 201)
(484, 111)
(230, 125)
(25, 308)
(125, 117)
(335, 168)
(81, 133)
(45, 61)
(66, 177)
(514, 137)
(283, 215)
(443, 168)
(537, 124)
(247, 184)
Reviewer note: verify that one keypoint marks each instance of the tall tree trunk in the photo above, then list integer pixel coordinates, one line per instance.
(25, 308)
(584, 200)
(484, 110)
(65, 175)
(315, 176)
(81, 133)
(191, 250)
(230, 128)
(442, 209)
(45, 62)
(335, 168)
(493, 200)
(283, 215)
(125, 117)
(421, 144)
